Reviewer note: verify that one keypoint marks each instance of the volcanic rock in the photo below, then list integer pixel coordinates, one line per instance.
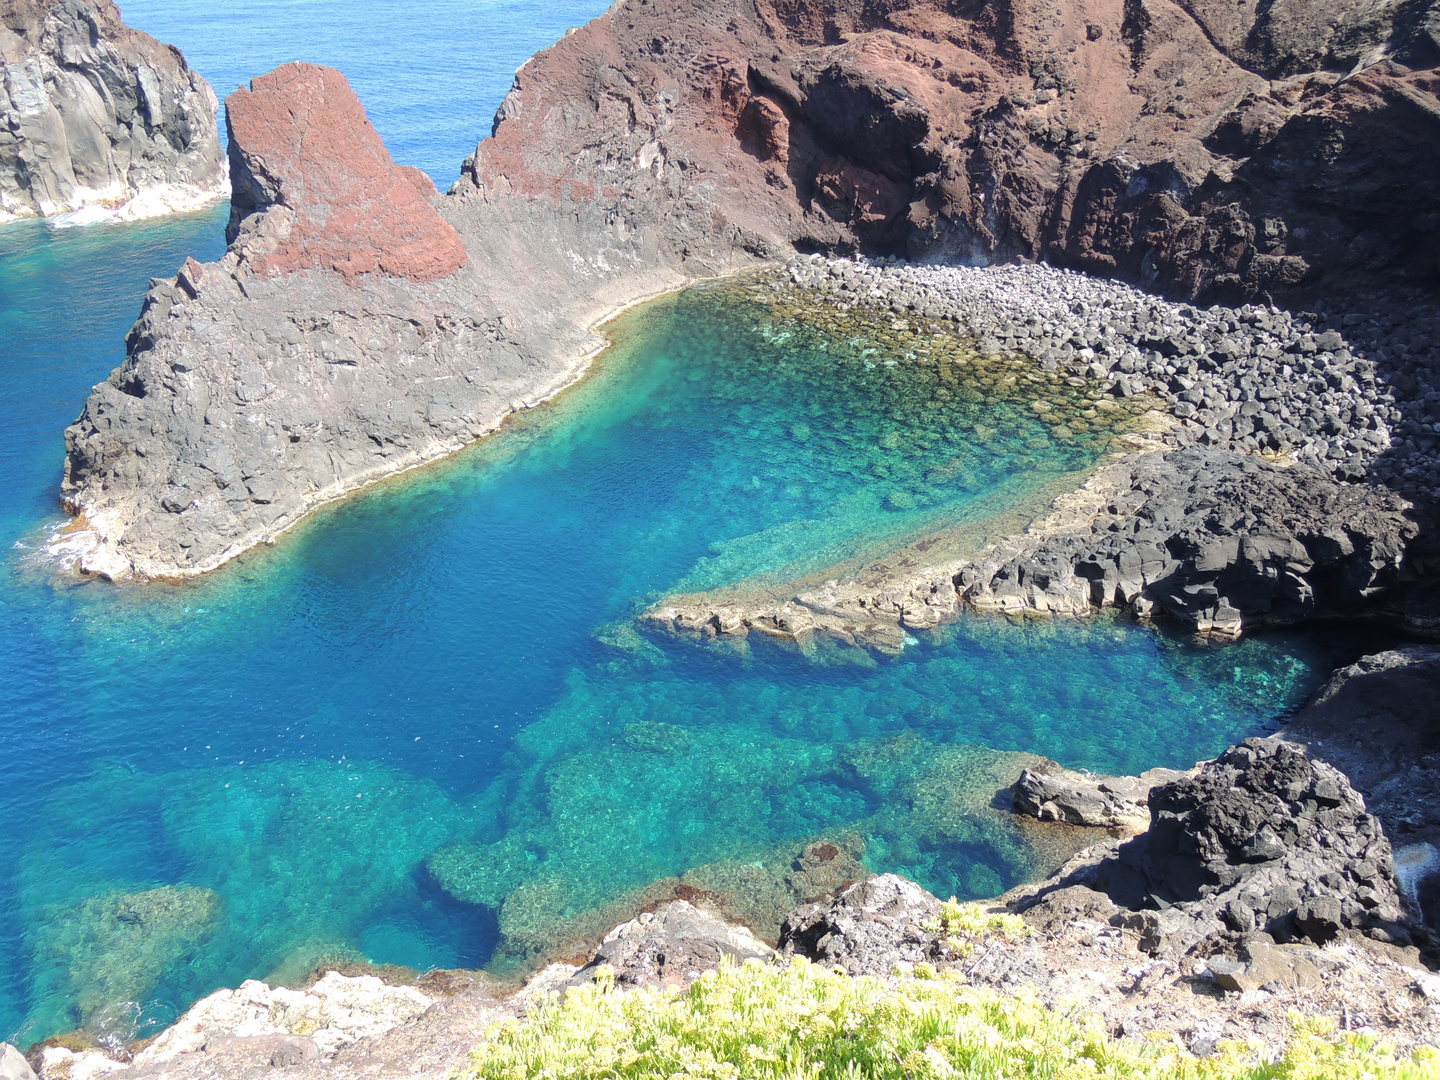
(95, 114)
(867, 929)
(671, 947)
(1263, 838)
(1376, 722)
(677, 139)
(300, 139)
(1057, 794)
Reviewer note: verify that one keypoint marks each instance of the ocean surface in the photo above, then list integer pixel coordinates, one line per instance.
(426, 728)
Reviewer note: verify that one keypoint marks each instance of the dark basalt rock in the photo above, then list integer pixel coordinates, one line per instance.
(93, 113)
(1263, 838)
(1376, 721)
(1217, 540)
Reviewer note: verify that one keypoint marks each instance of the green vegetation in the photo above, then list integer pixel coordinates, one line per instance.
(960, 927)
(805, 1021)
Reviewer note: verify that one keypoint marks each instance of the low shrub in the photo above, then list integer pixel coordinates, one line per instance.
(802, 1021)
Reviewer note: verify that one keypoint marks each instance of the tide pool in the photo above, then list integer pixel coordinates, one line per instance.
(424, 729)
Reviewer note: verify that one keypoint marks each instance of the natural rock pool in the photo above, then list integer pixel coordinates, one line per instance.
(425, 730)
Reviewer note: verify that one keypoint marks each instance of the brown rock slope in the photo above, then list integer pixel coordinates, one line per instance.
(301, 140)
(1198, 148)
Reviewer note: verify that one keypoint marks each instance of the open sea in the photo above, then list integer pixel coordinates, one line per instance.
(426, 729)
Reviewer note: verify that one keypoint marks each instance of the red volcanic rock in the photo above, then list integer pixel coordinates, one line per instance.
(299, 138)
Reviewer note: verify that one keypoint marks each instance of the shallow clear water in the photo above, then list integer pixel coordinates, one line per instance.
(425, 730)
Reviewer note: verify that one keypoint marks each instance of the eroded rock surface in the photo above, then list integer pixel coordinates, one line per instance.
(1106, 802)
(300, 140)
(96, 115)
(671, 947)
(1262, 839)
(1376, 722)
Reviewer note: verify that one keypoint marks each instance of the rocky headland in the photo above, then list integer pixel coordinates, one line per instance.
(100, 118)
(1202, 152)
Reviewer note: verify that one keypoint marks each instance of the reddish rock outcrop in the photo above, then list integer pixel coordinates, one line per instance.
(1192, 146)
(300, 139)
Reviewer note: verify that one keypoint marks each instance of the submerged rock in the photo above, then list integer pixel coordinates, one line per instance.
(111, 951)
(95, 115)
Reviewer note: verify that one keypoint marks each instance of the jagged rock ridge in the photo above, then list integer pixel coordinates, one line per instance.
(95, 114)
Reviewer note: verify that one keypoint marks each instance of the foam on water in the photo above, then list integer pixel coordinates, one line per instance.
(424, 729)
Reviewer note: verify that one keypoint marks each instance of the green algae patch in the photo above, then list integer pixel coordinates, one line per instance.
(801, 1020)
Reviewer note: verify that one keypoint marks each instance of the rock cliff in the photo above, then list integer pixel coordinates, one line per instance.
(96, 115)
(1194, 148)
(359, 325)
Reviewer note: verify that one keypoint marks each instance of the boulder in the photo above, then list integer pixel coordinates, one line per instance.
(13, 1065)
(96, 116)
(1217, 540)
(867, 929)
(1375, 721)
(1111, 802)
(671, 947)
(1263, 838)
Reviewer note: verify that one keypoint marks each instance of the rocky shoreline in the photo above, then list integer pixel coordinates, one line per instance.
(1249, 509)
(1259, 886)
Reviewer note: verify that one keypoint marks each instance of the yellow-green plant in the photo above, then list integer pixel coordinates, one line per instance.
(960, 927)
(803, 1021)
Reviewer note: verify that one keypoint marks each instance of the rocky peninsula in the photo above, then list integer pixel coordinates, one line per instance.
(98, 118)
(1163, 143)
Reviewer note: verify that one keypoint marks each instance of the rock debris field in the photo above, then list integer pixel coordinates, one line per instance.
(1333, 390)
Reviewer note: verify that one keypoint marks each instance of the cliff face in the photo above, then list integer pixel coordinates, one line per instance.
(1195, 147)
(1201, 149)
(95, 114)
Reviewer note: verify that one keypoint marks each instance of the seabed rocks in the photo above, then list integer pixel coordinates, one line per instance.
(1278, 896)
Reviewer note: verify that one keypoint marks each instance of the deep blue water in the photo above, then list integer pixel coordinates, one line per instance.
(239, 776)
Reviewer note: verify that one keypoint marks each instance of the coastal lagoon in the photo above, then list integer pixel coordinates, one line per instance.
(426, 729)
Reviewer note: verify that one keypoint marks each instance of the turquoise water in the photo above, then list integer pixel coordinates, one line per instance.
(426, 730)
